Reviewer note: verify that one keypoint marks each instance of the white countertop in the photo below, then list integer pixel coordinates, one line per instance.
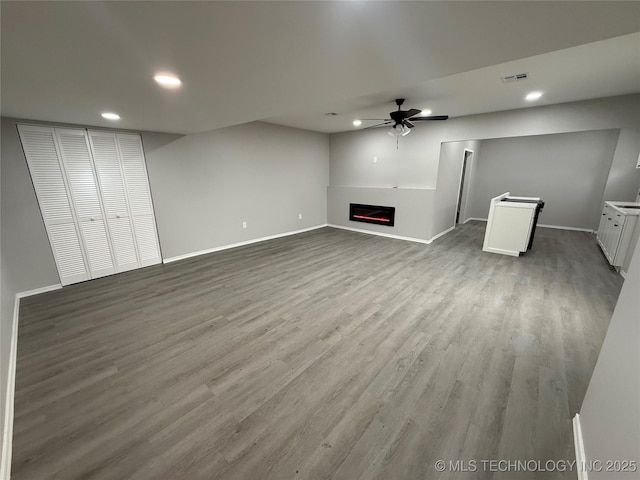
(515, 204)
(623, 207)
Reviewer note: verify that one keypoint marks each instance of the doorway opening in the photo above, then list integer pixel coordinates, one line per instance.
(463, 190)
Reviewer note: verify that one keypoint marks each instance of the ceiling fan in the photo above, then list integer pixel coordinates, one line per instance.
(401, 121)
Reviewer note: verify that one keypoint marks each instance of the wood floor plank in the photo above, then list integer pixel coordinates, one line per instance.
(324, 355)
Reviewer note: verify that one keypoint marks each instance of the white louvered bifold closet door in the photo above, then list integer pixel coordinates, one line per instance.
(77, 162)
(112, 185)
(39, 144)
(139, 196)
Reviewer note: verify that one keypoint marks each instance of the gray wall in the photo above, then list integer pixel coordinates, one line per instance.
(204, 186)
(7, 298)
(26, 261)
(610, 413)
(623, 182)
(5, 327)
(28, 257)
(569, 171)
(415, 163)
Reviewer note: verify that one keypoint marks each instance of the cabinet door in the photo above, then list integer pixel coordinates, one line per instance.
(43, 159)
(139, 196)
(77, 163)
(602, 226)
(608, 237)
(114, 198)
(617, 224)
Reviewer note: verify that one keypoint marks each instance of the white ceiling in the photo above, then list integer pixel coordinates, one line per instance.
(600, 69)
(291, 62)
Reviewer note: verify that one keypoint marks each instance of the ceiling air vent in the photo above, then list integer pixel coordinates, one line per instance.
(518, 77)
(332, 114)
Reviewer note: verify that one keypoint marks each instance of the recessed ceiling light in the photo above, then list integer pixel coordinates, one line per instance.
(167, 80)
(357, 123)
(110, 116)
(533, 96)
(425, 113)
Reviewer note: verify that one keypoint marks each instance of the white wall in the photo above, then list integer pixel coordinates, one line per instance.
(415, 163)
(205, 185)
(568, 171)
(610, 413)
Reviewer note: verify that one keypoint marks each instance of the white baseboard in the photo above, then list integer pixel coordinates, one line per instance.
(442, 233)
(560, 227)
(7, 415)
(37, 291)
(239, 244)
(557, 227)
(581, 458)
(380, 234)
(501, 251)
(7, 424)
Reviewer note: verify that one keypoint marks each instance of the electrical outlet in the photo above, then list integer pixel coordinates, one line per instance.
(299, 216)
(244, 224)
(375, 159)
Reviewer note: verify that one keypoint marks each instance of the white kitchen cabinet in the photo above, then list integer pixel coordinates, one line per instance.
(510, 224)
(618, 228)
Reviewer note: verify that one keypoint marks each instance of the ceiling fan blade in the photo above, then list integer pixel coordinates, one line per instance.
(413, 112)
(383, 124)
(433, 117)
(378, 119)
(408, 124)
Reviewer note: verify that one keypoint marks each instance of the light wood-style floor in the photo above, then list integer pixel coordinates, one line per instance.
(325, 355)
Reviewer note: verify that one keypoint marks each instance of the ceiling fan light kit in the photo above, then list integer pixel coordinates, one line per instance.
(399, 130)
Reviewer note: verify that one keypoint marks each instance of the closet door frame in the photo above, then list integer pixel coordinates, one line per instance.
(75, 217)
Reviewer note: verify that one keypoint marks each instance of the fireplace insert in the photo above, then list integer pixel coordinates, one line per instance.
(377, 214)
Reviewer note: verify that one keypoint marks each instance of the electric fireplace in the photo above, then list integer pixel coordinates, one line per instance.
(377, 214)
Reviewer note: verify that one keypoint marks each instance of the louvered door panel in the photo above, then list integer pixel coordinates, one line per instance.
(77, 162)
(112, 186)
(96, 243)
(43, 159)
(139, 197)
(123, 243)
(147, 240)
(67, 251)
(135, 172)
